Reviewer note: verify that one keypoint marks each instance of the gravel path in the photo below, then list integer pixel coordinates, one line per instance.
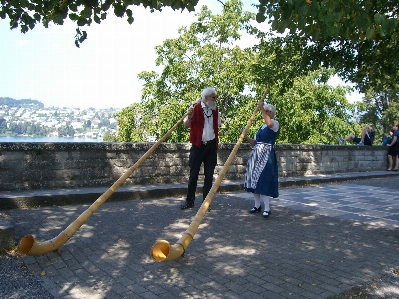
(386, 287)
(17, 282)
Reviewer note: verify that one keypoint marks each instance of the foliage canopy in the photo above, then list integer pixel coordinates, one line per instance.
(357, 38)
(207, 54)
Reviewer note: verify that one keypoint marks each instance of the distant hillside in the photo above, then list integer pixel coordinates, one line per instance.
(21, 103)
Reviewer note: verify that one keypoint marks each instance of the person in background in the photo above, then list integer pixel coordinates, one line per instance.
(388, 139)
(261, 177)
(203, 120)
(367, 137)
(393, 150)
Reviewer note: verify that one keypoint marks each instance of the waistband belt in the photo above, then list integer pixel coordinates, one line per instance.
(209, 141)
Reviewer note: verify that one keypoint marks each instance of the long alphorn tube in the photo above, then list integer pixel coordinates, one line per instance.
(162, 251)
(29, 246)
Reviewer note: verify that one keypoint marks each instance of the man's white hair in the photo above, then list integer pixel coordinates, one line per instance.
(207, 91)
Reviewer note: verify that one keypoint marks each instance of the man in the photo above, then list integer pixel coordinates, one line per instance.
(366, 139)
(203, 119)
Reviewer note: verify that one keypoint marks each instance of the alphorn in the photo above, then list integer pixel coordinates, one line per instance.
(162, 251)
(29, 246)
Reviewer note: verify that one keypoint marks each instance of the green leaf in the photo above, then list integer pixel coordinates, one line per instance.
(370, 33)
(58, 19)
(315, 9)
(361, 23)
(260, 17)
(301, 22)
(81, 22)
(379, 18)
(106, 5)
(389, 25)
(73, 16)
(86, 12)
(381, 31)
(303, 10)
(119, 10)
(37, 17)
(73, 7)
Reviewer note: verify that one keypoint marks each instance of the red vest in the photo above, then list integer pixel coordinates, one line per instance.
(197, 125)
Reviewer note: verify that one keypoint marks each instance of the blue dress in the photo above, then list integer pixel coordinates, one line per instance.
(261, 175)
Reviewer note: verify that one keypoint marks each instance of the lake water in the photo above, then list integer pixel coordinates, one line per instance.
(47, 139)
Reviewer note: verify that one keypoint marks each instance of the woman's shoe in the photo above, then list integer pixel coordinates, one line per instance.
(255, 209)
(266, 214)
(394, 170)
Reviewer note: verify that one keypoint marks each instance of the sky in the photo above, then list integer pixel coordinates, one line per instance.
(45, 65)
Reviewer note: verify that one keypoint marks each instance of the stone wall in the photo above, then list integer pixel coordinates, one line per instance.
(25, 166)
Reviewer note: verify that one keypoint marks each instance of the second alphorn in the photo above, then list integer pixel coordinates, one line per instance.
(29, 246)
(162, 251)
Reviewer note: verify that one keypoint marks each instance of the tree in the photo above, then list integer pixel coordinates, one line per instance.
(110, 137)
(15, 128)
(313, 112)
(131, 122)
(3, 123)
(347, 20)
(380, 109)
(205, 54)
(357, 38)
(280, 59)
(66, 131)
(26, 14)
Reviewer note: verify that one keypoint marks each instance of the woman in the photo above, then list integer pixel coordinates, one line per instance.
(261, 177)
(394, 149)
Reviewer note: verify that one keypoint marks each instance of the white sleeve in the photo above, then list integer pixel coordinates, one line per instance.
(276, 125)
(187, 112)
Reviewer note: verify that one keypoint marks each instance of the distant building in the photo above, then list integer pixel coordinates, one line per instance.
(53, 134)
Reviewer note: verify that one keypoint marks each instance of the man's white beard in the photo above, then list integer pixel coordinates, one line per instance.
(211, 105)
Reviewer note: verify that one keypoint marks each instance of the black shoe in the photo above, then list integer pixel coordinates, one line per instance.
(266, 214)
(255, 209)
(187, 206)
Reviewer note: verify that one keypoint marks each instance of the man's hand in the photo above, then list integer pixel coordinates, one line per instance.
(190, 113)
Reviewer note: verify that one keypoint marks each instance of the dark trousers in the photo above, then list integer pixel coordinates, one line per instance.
(206, 154)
